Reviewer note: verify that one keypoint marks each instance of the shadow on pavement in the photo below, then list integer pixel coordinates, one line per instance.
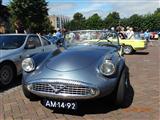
(15, 83)
(100, 105)
(141, 53)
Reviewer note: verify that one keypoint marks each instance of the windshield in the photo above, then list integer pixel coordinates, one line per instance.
(88, 37)
(11, 41)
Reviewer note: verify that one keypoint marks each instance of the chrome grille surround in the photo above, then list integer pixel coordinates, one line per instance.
(64, 89)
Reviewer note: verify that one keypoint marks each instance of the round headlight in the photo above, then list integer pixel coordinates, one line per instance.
(28, 65)
(107, 68)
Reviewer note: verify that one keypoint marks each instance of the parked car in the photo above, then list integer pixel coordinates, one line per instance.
(14, 48)
(132, 45)
(85, 70)
(154, 35)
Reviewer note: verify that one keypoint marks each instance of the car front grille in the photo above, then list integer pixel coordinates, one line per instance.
(63, 89)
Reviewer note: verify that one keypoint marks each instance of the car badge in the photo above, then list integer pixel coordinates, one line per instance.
(56, 91)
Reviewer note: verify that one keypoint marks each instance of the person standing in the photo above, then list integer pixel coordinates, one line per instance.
(127, 31)
(159, 35)
(147, 36)
(58, 34)
(131, 34)
(2, 29)
(122, 33)
(60, 38)
(19, 27)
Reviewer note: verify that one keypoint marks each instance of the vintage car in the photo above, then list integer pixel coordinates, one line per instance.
(83, 70)
(154, 35)
(134, 44)
(14, 48)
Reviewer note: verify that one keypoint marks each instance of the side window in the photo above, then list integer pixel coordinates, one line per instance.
(34, 40)
(45, 42)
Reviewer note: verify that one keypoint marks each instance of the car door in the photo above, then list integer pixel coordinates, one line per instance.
(47, 45)
(33, 46)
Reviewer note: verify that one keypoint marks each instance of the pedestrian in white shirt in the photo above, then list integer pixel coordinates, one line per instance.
(127, 31)
(131, 34)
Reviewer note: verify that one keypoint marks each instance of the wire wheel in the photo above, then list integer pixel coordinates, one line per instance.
(128, 49)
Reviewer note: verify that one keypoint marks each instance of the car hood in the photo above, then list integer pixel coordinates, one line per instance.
(77, 58)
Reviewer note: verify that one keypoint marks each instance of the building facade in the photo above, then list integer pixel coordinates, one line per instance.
(58, 21)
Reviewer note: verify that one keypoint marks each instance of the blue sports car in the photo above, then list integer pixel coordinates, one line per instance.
(90, 66)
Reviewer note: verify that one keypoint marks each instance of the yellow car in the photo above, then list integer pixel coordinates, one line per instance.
(132, 45)
(129, 45)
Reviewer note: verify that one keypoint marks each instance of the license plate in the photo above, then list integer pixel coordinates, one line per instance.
(60, 104)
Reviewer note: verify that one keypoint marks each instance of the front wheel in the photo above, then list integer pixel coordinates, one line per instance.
(121, 88)
(128, 49)
(6, 74)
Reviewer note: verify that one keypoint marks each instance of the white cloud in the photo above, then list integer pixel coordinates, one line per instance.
(91, 12)
(122, 1)
(60, 8)
(92, 7)
(129, 8)
(126, 8)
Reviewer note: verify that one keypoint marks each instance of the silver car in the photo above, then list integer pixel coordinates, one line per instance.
(14, 48)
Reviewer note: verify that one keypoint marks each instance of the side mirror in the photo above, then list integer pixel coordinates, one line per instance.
(30, 46)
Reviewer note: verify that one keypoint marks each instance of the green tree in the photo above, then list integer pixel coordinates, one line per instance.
(157, 11)
(78, 16)
(138, 22)
(94, 22)
(32, 13)
(78, 22)
(156, 17)
(70, 25)
(112, 20)
(124, 22)
(135, 21)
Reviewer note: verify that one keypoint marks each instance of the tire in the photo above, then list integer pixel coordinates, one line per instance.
(134, 51)
(127, 49)
(121, 89)
(29, 95)
(7, 74)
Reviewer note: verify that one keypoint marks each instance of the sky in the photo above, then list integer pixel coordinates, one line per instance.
(126, 8)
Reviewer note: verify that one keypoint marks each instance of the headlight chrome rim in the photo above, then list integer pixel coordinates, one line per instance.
(106, 63)
(28, 65)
